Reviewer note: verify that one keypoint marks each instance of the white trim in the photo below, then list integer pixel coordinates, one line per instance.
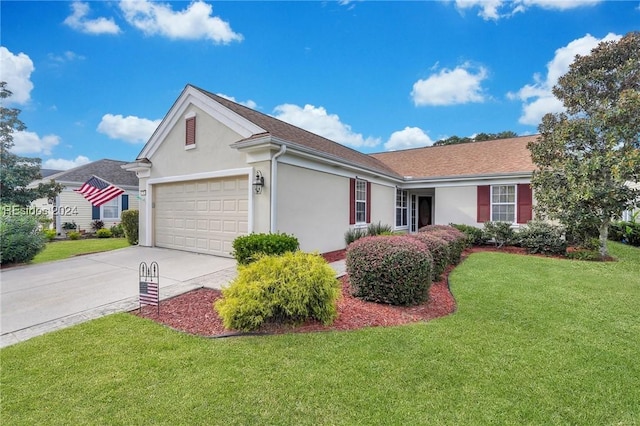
(192, 96)
(406, 207)
(190, 147)
(248, 171)
(515, 201)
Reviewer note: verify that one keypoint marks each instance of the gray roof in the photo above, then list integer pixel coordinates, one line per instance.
(287, 132)
(108, 170)
(48, 172)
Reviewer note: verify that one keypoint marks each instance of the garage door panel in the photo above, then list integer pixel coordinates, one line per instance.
(203, 216)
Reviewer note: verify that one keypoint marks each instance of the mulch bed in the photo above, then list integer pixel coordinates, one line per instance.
(193, 312)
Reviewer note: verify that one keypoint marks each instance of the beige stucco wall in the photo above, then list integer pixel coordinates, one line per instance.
(212, 153)
(314, 206)
(456, 205)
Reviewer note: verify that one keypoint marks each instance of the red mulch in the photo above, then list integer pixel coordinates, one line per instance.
(193, 312)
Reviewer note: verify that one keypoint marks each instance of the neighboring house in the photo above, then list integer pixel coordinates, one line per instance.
(70, 206)
(214, 170)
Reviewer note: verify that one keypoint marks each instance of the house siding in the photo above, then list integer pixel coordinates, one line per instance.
(456, 205)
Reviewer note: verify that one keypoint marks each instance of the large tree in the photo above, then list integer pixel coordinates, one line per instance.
(17, 172)
(587, 156)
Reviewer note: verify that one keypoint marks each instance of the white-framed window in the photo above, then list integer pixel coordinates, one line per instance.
(503, 203)
(402, 208)
(361, 201)
(111, 209)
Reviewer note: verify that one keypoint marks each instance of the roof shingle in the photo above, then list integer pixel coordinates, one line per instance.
(105, 169)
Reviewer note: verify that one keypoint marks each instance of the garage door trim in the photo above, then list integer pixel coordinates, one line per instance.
(245, 171)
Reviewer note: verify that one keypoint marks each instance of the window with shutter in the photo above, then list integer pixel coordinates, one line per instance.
(190, 139)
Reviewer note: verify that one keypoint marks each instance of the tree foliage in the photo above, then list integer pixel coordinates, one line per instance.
(587, 156)
(453, 140)
(17, 172)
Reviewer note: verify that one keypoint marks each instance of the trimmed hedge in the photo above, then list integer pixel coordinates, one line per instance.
(292, 287)
(249, 248)
(104, 233)
(20, 239)
(439, 249)
(457, 239)
(129, 221)
(390, 269)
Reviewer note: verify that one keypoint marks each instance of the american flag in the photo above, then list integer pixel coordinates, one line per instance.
(149, 294)
(98, 192)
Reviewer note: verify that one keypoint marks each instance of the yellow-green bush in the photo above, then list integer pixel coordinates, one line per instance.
(290, 288)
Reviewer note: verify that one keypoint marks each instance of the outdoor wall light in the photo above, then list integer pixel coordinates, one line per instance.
(258, 182)
(143, 192)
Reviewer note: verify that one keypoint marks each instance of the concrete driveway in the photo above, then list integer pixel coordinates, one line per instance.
(40, 298)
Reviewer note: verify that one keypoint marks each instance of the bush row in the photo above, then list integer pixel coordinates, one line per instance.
(249, 248)
(399, 269)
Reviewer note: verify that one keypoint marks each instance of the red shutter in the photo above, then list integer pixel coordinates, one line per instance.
(352, 201)
(368, 202)
(191, 131)
(484, 203)
(525, 203)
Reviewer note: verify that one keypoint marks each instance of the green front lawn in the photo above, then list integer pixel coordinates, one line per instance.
(534, 341)
(59, 250)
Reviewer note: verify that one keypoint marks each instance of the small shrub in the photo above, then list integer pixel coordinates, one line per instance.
(117, 231)
(627, 232)
(104, 233)
(430, 228)
(50, 234)
(97, 225)
(130, 224)
(292, 287)
(439, 249)
(354, 234)
(249, 248)
(542, 237)
(73, 235)
(456, 242)
(69, 226)
(379, 229)
(20, 238)
(475, 236)
(500, 232)
(390, 269)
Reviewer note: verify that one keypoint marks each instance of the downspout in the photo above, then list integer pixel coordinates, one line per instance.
(273, 192)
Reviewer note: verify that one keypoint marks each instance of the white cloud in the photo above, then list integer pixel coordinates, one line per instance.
(16, 72)
(496, 9)
(537, 97)
(30, 143)
(195, 22)
(62, 164)
(130, 129)
(67, 56)
(249, 103)
(410, 137)
(449, 87)
(78, 21)
(318, 121)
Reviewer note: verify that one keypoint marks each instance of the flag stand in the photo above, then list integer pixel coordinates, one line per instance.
(149, 279)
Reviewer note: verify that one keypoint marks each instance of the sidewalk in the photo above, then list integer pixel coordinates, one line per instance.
(215, 280)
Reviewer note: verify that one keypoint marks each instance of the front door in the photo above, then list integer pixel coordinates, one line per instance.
(424, 211)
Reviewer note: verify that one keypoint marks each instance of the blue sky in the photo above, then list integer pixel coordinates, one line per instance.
(93, 79)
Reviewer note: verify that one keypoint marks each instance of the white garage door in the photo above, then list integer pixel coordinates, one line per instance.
(203, 216)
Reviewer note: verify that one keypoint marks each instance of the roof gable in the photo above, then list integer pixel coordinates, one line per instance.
(108, 170)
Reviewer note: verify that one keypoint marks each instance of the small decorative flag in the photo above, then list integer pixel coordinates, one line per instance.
(98, 191)
(149, 293)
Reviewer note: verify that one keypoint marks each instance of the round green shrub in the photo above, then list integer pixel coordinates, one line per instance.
(457, 239)
(289, 288)
(20, 239)
(248, 248)
(439, 249)
(542, 237)
(73, 235)
(130, 224)
(395, 270)
(104, 233)
(50, 234)
(475, 236)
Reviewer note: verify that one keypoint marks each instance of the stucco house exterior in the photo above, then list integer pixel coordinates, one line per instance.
(70, 206)
(215, 169)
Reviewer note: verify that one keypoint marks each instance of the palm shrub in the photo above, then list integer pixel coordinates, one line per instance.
(390, 269)
(289, 288)
(20, 238)
(439, 249)
(248, 248)
(542, 237)
(129, 221)
(379, 229)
